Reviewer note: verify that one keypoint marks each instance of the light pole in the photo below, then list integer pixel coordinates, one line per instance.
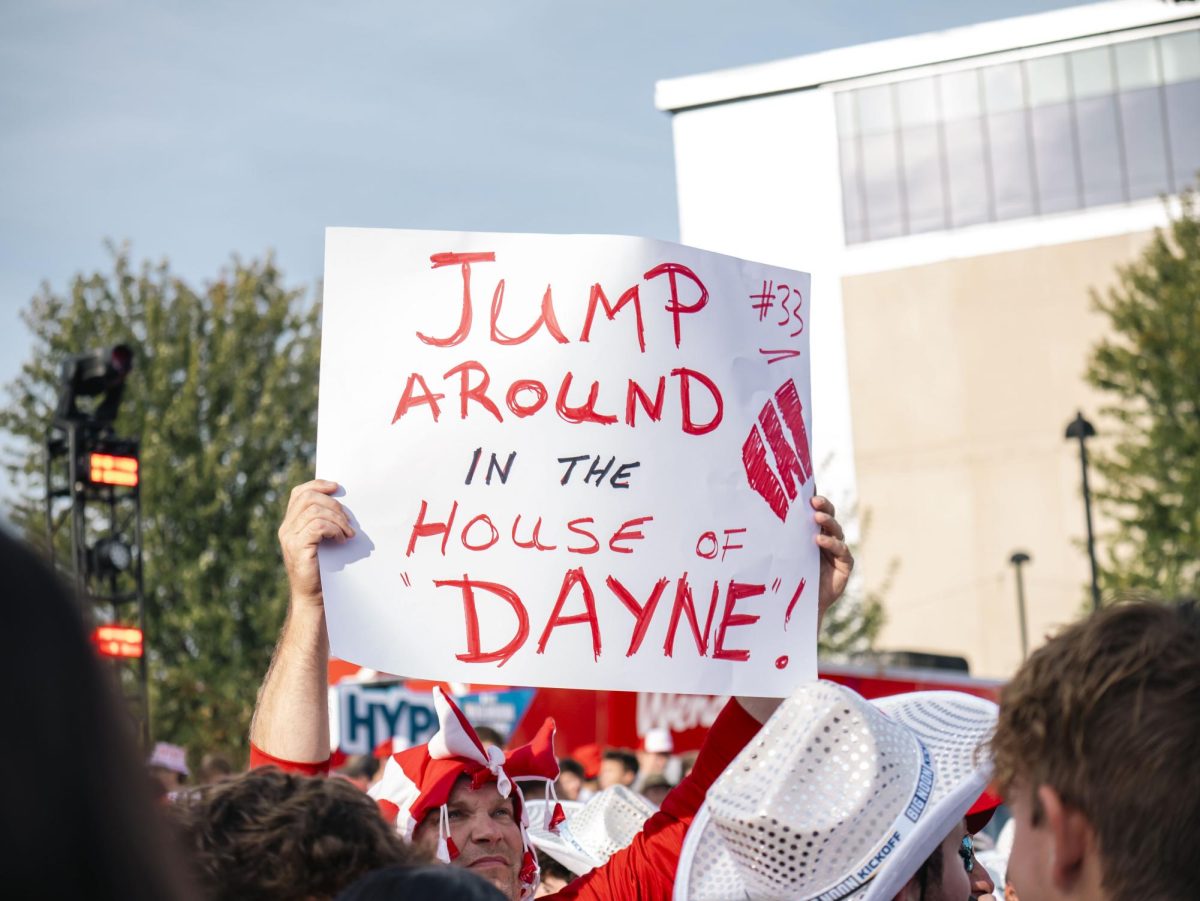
(1017, 560)
(1082, 429)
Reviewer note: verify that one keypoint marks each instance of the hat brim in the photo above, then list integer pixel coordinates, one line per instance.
(574, 859)
(952, 725)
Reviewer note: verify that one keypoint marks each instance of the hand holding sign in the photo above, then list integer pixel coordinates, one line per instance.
(591, 484)
(836, 560)
(312, 515)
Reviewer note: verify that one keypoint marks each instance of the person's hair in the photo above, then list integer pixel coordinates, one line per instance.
(214, 766)
(533, 789)
(551, 867)
(360, 766)
(1107, 713)
(433, 881)
(168, 778)
(930, 874)
(627, 759)
(571, 765)
(272, 835)
(92, 830)
(489, 736)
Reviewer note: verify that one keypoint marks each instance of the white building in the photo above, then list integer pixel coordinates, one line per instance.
(955, 195)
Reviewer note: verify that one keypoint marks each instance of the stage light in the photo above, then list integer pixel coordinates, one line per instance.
(112, 469)
(118, 641)
(98, 373)
(111, 555)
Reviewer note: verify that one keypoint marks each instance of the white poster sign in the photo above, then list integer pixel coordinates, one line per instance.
(573, 461)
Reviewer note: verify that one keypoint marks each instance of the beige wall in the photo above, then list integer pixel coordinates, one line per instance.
(963, 375)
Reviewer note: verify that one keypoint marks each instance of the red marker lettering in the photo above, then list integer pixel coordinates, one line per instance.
(536, 540)
(572, 526)
(585, 413)
(409, 400)
(489, 542)
(737, 591)
(626, 533)
(642, 613)
(785, 458)
(597, 297)
(789, 404)
(475, 653)
(570, 580)
(548, 319)
(760, 477)
(477, 393)
(464, 323)
(519, 407)
(653, 410)
(685, 605)
(674, 307)
(422, 529)
(685, 400)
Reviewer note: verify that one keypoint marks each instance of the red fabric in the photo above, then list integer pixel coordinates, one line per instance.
(535, 758)
(384, 750)
(645, 871)
(388, 811)
(589, 757)
(259, 757)
(432, 778)
(981, 811)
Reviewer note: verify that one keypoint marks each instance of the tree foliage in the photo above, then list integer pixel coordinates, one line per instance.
(853, 623)
(223, 397)
(1149, 368)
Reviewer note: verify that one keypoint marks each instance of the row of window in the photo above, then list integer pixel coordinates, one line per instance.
(1105, 125)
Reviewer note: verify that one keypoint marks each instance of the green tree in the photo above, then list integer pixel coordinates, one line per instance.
(223, 396)
(1149, 368)
(853, 623)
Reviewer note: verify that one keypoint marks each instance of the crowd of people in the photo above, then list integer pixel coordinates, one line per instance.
(823, 795)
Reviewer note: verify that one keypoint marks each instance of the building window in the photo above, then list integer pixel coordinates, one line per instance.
(1106, 125)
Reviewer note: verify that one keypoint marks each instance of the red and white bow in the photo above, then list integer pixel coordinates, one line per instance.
(418, 781)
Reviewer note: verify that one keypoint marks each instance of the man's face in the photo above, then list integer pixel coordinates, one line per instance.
(168, 779)
(957, 884)
(549, 886)
(613, 772)
(652, 763)
(486, 833)
(569, 785)
(656, 794)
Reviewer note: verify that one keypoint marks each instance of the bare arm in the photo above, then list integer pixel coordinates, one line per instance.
(291, 719)
(836, 566)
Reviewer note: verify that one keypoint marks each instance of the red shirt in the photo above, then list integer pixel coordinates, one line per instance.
(644, 871)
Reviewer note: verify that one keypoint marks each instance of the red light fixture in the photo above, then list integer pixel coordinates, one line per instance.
(113, 469)
(118, 641)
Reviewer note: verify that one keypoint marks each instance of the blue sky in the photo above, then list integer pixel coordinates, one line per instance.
(196, 130)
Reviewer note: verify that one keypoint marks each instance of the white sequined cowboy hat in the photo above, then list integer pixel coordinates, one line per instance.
(595, 831)
(838, 798)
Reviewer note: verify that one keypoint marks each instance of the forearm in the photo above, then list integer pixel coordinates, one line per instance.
(759, 708)
(291, 719)
(645, 869)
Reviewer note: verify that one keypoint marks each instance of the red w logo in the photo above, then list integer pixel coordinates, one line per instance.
(793, 462)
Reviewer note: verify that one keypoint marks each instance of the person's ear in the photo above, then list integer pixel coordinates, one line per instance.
(1070, 835)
